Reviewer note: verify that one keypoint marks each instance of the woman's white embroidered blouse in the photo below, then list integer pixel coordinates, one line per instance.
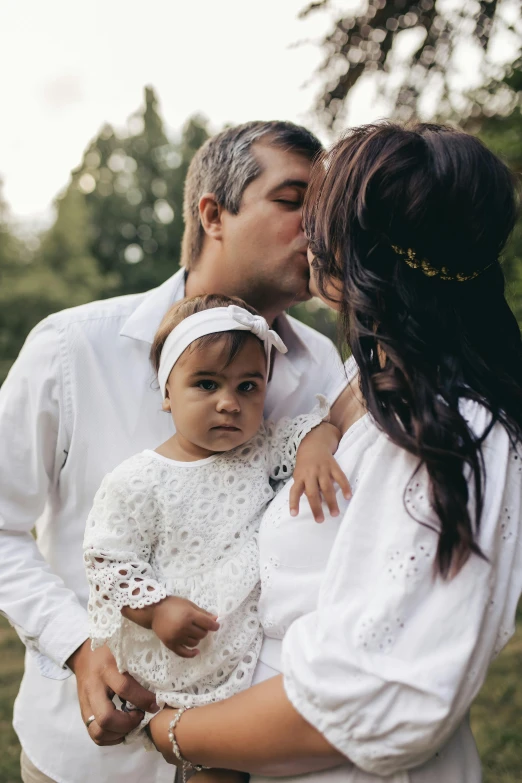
(381, 655)
(160, 527)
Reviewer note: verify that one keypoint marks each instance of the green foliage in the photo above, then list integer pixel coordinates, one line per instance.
(117, 230)
(133, 189)
(32, 285)
(361, 41)
(503, 134)
(317, 315)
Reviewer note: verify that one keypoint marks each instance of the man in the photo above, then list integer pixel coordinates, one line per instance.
(81, 398)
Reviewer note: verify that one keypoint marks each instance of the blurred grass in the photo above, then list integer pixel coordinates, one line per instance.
(11, 668)
(496, 714)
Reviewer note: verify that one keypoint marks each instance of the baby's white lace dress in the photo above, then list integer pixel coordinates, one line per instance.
(159, 527)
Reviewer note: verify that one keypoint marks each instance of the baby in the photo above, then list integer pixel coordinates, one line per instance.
(171, 541)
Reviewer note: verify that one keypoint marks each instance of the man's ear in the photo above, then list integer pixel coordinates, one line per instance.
(210, 216)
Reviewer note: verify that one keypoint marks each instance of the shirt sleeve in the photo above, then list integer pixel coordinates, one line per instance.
(389, 663)
(45, 613)
(285, 435)
(117, 550)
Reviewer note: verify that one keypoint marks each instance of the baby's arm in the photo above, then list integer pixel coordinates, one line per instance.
(117, 549)
(304, 447)
(316, 471)
(177, 622)
(117, 553)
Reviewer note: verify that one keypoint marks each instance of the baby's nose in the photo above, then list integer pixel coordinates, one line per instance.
(229, 403)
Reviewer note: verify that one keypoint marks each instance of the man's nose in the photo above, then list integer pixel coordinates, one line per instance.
(228, 403)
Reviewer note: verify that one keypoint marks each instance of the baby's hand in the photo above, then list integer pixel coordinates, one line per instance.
(181, 625)
(316, 472)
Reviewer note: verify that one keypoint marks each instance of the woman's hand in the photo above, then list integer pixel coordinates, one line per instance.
(177, 622)
(316, 472)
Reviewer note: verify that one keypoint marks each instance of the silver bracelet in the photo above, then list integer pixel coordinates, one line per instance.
(186, 766)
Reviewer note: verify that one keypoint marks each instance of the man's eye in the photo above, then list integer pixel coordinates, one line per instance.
(288, 202)
(247, 386)
(207, 385)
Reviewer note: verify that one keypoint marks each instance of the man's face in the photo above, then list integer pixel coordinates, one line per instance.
(215, 406)
(264, 244)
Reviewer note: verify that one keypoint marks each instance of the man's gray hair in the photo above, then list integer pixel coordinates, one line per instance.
(225, 165)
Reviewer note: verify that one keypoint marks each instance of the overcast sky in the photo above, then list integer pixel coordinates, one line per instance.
(68, 66)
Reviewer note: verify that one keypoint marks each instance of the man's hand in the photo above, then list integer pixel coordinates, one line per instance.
(98, 680)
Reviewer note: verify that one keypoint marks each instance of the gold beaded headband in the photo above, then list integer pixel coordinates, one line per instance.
(443, 273)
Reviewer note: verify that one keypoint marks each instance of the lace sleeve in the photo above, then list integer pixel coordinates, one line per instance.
(117, 549)
(285, 436)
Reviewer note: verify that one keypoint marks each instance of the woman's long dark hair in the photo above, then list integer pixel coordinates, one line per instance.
(421, 342)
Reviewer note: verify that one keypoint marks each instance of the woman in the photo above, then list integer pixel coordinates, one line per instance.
(393, 612)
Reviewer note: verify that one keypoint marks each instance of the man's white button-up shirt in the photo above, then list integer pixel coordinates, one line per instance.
(81, 398)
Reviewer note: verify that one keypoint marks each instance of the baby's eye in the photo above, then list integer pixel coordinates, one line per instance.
(207, 385)
(247, 386)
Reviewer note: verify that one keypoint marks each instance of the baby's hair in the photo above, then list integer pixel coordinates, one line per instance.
(233, 340)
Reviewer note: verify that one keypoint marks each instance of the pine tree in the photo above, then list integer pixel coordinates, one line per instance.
(133, 188)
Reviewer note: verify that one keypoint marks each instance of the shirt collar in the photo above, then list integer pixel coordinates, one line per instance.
(287, 328)
(143, 323)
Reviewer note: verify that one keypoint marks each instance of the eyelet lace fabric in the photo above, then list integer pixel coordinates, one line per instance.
(159, 528)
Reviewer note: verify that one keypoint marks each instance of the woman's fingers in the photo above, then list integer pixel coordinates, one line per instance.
(296, 490)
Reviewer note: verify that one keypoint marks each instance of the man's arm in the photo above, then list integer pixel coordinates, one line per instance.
(46, 614)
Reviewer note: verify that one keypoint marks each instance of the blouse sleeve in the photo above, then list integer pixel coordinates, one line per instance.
(389, 663)
(117, 550)
(285, 435)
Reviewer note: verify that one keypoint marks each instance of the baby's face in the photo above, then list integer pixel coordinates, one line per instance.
(218, 407)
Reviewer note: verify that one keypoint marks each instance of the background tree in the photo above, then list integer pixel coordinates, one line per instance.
(35, 283)
(365, 42)
(12, 262)
(133, 189)
(117, 229)
(503, 134)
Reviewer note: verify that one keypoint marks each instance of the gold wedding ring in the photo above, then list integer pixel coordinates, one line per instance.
(90, 720)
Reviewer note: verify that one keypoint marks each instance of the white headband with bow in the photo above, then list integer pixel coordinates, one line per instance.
(215, 319)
